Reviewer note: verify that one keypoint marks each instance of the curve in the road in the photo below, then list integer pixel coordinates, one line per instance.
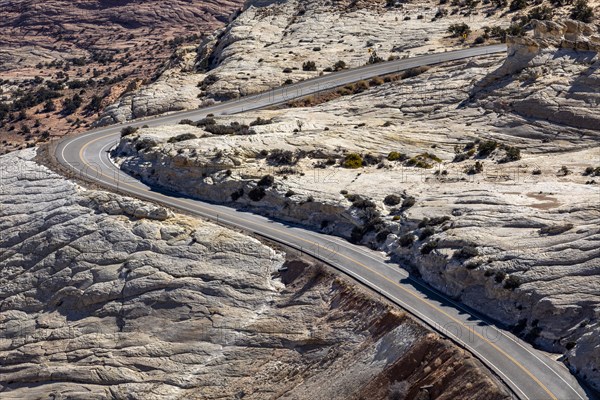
(529, 373)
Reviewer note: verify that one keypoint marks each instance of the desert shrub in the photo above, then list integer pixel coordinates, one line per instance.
(281, 157)
(429, 247)
(512, 282)
(476, 168)
(536, 171)
(512, 154)
(582, 11)
(237, 194)
(361, 203)
(433, 221)
(257, 193)
(382, 235)
(309, 66)
(182, 137)
(412, 72)
(486, 148)
(70, 105)
(392, 200)
(128, 130)
(540, 13)
(395, 156)
(426, 232)
(290, 193)
(95, 104)
(563, 171)
(406, 240)
(516, 5)
(352, 161)
(479, 40)
(206, 122)
(499, 276)
(266, 181)
(287, 70)
(591, 171)
(339, 65)
(408, 202)
(261, 121)
(187, 122)
(466, 252)
(374, 58)
(555, 229)
(234, 128)
(370, 159)
(457, 30)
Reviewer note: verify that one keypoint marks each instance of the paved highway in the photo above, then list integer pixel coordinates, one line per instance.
(530, 374)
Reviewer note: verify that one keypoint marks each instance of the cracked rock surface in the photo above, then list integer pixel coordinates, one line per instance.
(103, 296)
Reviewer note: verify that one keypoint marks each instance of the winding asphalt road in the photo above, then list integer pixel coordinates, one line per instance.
(529, 373)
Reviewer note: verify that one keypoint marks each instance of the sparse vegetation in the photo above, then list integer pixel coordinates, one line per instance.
(582, 11)
(181, 138)
(352, 161)
(392, 200)
(485, 148)
(309, 66)
(128, 130)
(459, 30)
(266, 181)
(257, 193)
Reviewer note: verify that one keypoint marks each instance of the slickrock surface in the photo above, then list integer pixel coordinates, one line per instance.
(516, 238)
(103, 296)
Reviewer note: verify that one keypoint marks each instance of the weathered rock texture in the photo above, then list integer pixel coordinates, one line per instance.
(107, 297)
(529, 225)
(269, 42)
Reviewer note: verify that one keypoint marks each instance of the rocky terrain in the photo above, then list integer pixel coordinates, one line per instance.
(479, 176)
(103, 296)
(276, 42)
(62, 62)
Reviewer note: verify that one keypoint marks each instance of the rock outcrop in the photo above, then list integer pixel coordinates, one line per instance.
(531, 250)
(103, 296)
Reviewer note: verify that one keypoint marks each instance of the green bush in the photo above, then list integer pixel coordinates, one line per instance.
(458, 30)
(512, 154)
(352, 161)
(486, 148)
(395, 156)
